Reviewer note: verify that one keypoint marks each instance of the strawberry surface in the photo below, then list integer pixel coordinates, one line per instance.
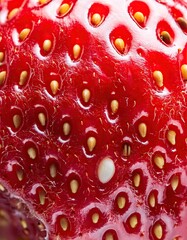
(93, 113)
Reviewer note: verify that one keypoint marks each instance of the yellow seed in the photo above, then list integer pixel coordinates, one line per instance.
(54, 85)
(86, 95)
(32, 153)
(64, 9)
(76, 51)
(2, 56)
(96, 19)
(23, 224)
(142, 128)
(114, 106)
(136, 180)
(158, 77)
(24, 33)
(42, 119)
(74, 185)
(121, 201)
(159, 161)
(66, 128)
(20, 174)
(182, 22)
(47, 44)
(119, 44)
(53, 170)
(91, 142)
(43, 1)
(126, 150)
(139, 17)
(109, 236)
(42, 195)
(64, 223)
(2, 77)
(165, 36)
(12, 13)
(95, 218)
(17, 120)
(184, 71)
(2, 189)
(133, 221)
(171, 136)
(174, 182)
(158, 231)
(23, 78)
(152, 200)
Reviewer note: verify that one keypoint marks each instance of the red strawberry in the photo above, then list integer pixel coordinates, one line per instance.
(93, 114)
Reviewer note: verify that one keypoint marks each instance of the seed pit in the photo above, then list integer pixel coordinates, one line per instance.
(97, 14)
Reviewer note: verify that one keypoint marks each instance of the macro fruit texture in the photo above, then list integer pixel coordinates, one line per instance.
(93, 118)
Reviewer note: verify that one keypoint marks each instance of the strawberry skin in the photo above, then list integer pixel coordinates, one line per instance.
(93, 116)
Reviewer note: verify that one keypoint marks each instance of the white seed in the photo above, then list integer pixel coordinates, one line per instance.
(95, 218)
(64, 223)
(12, 13)
(106, 170)
(142, 128)
(53, 170)
(54, 85)
(42, 195)
(158, 77)
(171, 136)
(42, 119)
(47, 44)
(74, 186)
(159, 161)
(139, 17)
(24, 34)
(184, 71)
(17, 120)
(2, 56)
(119, 44)
(133, 221)
(23, 77)
(174, 182)
(126, 150)
(2, 77)
(91, 142)
(76, 51)
(32, 153)
(158, 231)
(86, 95)
(136, 180)
(20, 174)
(66, 128)
(114, 106)
(64, 8)
(152, 200)
(121, 201)
(96, 19)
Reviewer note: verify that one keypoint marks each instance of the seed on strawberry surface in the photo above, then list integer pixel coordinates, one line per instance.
(158, 77)
(2, 56)
(20, 174)
(96, 19)
(54, 85)
(159, 161)
(53, 170)
(74, 186)
(174, 182)
(119, 45)
(66, 128)
(126, 150)
(12, 13)
(121, 201)
(2, 77)
(133, 221)
(42, 119)
(32, 152)
(184, 71)
(114, 106)
(23, 77)
(152, 199)
(171, 137)
(142, 128)
(95, 218)
(76, 51)
(182, 22)
(136, 180)
(64, 223)
(24, 34)
(47, 45)
(43, 1)
(17, 120)
(91, 142)
(108, 236)
(106, 170)
(42, 196)
(86, 95)
(64, 9)
(166, 37)
(139, 17)
(158, 231)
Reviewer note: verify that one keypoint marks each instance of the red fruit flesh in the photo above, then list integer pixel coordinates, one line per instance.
(93, 116)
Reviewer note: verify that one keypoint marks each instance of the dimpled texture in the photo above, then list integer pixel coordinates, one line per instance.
(81, 81)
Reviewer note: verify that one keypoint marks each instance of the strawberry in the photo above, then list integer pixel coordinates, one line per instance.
(93, 114)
